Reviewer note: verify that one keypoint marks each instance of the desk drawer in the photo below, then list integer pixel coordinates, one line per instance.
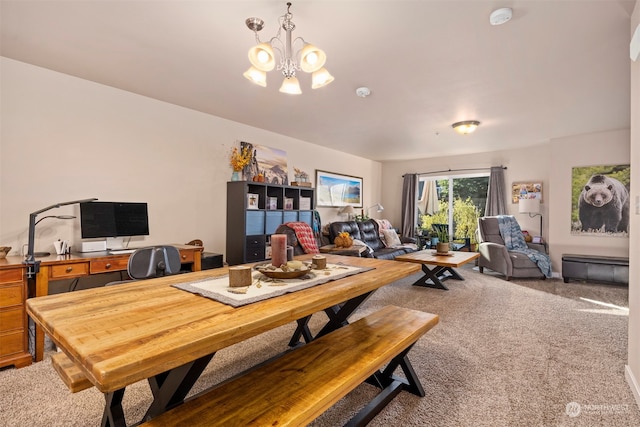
(11, 295)
(105, 265)
(11, 343)
(11, 319)
(186, 256)
(69, 270)
(12, 275)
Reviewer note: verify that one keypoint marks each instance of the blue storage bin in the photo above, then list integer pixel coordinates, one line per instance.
(305, 217)
(290, 217)
(255, 223)
(274, 220)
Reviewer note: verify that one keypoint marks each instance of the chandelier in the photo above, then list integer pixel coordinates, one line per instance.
(262, 58)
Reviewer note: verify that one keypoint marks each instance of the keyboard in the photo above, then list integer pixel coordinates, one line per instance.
(121, 251)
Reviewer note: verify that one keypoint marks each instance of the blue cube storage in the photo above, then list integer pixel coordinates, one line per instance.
(255, 223)
(305, 217)
(290, 216)
(274, 220)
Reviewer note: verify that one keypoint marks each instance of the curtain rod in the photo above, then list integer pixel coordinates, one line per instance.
(457, 170)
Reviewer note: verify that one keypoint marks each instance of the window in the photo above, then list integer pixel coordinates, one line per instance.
(457, 201)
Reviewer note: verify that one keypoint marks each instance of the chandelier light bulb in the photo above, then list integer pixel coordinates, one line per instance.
(291, 86)
(263, 57)
(256, 76)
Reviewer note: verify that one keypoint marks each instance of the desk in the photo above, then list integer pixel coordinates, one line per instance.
(59, 267)
(119, 335)
(443, 264)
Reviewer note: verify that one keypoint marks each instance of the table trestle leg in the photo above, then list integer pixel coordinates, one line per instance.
(338, 317)
(170, 388)
(113, 413)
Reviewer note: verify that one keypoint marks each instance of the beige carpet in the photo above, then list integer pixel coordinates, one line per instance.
(504, 354)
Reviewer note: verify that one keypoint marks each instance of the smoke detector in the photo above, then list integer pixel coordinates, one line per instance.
(500, 16)
(363, 92)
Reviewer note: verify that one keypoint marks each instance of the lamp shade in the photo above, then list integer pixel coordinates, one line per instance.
(311, 58)
(320, 78)
(262, 57)
(256, 76)
(291, 86)
(529, 206)
(348, 210)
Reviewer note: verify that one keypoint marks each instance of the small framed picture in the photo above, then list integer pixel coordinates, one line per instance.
(267, 252)
(305, 203)
(272, 203)
(288, 204)
(252, 201)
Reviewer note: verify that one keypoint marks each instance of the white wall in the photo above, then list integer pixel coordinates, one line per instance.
(64, 138)
(633, 368)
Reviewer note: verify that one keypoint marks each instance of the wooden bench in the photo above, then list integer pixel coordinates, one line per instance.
(70, 373)
(299, 386)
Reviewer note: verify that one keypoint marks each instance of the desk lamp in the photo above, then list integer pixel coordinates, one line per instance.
(33, 266)
(43, 254)
(378, 206)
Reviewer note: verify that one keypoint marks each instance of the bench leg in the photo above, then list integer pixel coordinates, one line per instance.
(391, 386)
(338, 315)
(170, 388)
(113, 413)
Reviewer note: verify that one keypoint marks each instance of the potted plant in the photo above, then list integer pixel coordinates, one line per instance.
(443, 240)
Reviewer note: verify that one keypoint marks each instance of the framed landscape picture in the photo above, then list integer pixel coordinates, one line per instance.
(271, 162)
(336, 190)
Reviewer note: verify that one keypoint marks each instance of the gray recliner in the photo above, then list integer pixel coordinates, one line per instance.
(494, 254)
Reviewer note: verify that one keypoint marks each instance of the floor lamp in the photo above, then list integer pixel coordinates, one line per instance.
(532, 208)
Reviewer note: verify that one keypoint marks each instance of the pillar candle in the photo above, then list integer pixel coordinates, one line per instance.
(278, 249)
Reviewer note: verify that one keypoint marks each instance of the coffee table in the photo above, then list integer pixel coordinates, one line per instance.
(444, 266)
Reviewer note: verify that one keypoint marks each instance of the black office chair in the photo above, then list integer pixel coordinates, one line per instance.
(150, 262)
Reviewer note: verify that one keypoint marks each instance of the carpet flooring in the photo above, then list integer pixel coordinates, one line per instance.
(519, 353)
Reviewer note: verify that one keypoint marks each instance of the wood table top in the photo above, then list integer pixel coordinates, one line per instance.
(429, 256)
(122, 334)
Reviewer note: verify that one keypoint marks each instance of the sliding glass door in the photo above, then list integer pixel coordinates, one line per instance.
(454, 201)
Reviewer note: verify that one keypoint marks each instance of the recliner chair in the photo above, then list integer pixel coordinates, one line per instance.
(494, 254)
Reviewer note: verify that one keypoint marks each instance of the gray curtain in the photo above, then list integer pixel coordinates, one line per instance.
(496, 194)
(409, 195)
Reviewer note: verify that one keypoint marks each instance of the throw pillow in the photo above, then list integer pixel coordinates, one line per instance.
(391, 238)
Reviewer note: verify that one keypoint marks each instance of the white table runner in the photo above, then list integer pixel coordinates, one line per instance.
(263, 287)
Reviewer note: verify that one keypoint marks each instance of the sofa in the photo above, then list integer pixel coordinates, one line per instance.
(369, 233)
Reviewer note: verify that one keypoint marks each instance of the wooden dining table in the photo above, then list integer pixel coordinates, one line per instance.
(150, 330)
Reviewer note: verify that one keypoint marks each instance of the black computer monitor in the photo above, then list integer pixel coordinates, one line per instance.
(113, 219)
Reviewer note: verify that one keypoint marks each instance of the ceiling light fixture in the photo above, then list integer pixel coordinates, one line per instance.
(466, 126)
(262, 57)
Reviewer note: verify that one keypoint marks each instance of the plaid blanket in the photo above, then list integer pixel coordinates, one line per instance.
(305, 237)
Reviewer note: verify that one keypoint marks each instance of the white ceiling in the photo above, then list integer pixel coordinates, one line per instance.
(558, 68)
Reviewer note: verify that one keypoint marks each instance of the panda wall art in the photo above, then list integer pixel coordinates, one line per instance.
(600, 200)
